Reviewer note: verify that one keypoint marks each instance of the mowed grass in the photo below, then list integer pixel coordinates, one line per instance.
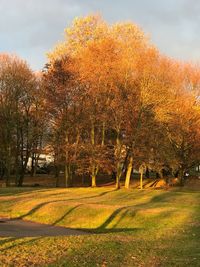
(128, 227)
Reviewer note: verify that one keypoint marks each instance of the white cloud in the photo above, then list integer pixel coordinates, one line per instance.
(32, 27)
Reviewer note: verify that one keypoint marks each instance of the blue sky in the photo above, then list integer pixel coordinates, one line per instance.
(30, 28)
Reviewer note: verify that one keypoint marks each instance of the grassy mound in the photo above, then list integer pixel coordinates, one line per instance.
(132, 227)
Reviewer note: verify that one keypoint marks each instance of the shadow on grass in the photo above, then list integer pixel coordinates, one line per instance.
(8, 240)
(105, 226)
(37, 207)
(66, 214)
(122, 212)
(14, 191)
(118, 215)
(86, 197)
(108, 230)
(112, 216)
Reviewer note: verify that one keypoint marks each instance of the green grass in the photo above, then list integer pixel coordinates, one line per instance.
(132, 227)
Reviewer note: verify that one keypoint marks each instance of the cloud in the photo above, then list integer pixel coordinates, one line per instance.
(30, 28)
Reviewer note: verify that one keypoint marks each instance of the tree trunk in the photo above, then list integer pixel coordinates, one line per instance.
(128, 173)
(118, 157)
(117, 182)
(17, 171)
(8, 176)
(67, 165)
(57, 181)
(103, 134)
(8, 167)
(118, 175)
(141, 180)
(181, 177)
(57, 172)
(33, 165)
(68, 175)
(95, 170)
(17, 159)
(23, 170)
(94, 181)
(147, 174)
(161, 174)
(21, 179)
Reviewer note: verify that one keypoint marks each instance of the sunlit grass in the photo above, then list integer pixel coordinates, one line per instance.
(132, 228)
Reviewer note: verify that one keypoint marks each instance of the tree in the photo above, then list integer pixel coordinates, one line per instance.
(18, 92)
(117, 93)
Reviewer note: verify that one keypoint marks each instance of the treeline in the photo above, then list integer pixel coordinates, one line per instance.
(21, 117)
(106, 102)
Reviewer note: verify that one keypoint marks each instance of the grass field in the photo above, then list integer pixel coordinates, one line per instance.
(129, 227)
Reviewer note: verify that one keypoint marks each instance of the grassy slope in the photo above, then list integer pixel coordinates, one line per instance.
(132, 228)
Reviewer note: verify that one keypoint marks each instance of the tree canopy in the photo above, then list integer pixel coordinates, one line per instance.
(108, 102)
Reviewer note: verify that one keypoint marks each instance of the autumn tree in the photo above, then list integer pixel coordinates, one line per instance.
(86, 42)
(181, 120)
(18, 91)
(124, 93)
(63, 103)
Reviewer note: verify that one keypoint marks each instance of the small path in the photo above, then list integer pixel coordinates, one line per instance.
(20, 228)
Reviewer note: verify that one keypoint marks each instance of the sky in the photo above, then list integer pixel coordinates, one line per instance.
(31, 28)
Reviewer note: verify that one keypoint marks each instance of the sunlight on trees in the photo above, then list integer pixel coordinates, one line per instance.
(107, 102)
